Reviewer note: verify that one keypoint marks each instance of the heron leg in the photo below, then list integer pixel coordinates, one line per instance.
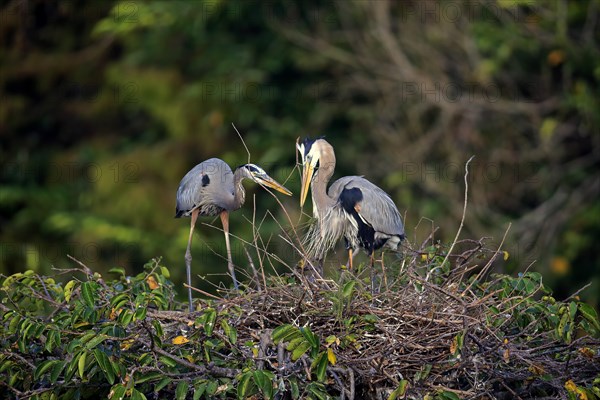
(225, 221)
(188, 258)
(383, 272)
(350, 258)
(372, 256)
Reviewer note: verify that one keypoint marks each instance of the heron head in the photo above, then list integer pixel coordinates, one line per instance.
(258, 175)
(311, 151)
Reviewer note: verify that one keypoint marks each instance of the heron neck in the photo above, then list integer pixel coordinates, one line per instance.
(239, 193)
(321, 200)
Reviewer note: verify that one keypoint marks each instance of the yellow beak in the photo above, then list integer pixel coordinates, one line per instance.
(307, 174)
(269, 182)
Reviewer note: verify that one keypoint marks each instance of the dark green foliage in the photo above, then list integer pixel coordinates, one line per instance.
(125, 337)
(79, 339)
(105, 105)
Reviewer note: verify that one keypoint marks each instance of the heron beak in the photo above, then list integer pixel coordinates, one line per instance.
(269, 182)
(307, 174)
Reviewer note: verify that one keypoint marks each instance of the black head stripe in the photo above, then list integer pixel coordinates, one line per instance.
(253, 168)
(308, 142)
(249, 167)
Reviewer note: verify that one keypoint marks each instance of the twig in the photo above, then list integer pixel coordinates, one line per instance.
(578, 291)
(243, 142)
(489, 263)
(464, 213)
(253, 268)
(86, 270)
(204, 293)
(219, 371)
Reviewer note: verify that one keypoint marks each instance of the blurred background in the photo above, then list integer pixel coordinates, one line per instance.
(105, 105)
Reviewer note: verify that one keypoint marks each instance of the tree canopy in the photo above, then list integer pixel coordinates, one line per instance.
(106, 105)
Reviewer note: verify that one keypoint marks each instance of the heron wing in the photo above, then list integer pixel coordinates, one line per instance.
(373, 205)
(199, 186)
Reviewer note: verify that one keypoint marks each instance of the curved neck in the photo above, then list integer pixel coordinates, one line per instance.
(321, 199)
(239, 193)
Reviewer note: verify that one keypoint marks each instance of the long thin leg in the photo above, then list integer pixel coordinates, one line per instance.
(188, 258)
(372, 272)
(350, 258)
(225, 222)
(383, 272)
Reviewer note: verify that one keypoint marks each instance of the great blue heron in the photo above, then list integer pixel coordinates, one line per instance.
(210, 189)
(353, 208)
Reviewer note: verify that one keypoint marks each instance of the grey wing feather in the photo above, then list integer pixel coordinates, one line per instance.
(196, 186)
(377, 208)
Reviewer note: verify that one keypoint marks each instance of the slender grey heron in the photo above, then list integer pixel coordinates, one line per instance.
(353, 208)
(210, 189)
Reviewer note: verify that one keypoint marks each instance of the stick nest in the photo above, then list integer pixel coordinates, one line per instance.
(438, 325)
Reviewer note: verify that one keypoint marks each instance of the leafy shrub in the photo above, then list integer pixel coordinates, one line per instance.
(430, 331)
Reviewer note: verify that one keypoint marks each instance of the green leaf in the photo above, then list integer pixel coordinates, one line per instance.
(371, 318)
(87, 337)
(199, 390)
(51, 340)
(140, 313)
(145, 359)
(563, 327)
(118, 368)
(210, 316)
(399, 391)
(71, 368)
(87, 292)
(125, 317)
(158, 328)
(105, 365)
(246, 386)
(572, 310)
(294, 388)
(423, 372)
(165, 272)
(137, 395)
(182, 389)
(58, 368)
(162, 383)
(69, 290)
(230, 331)
(43, 367)
(119, 300)
(348, 289)
(148, 376)
(284, 333)
(590, 314)
(117, 392)
(319, 366)
(295, 343)
(300, 350)
(446, 395)
(81, 363)
(318, 390)
(95, 341)
(14, 324)
(118, 271)
(312, 339)
(264, 381)
(168, 361)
